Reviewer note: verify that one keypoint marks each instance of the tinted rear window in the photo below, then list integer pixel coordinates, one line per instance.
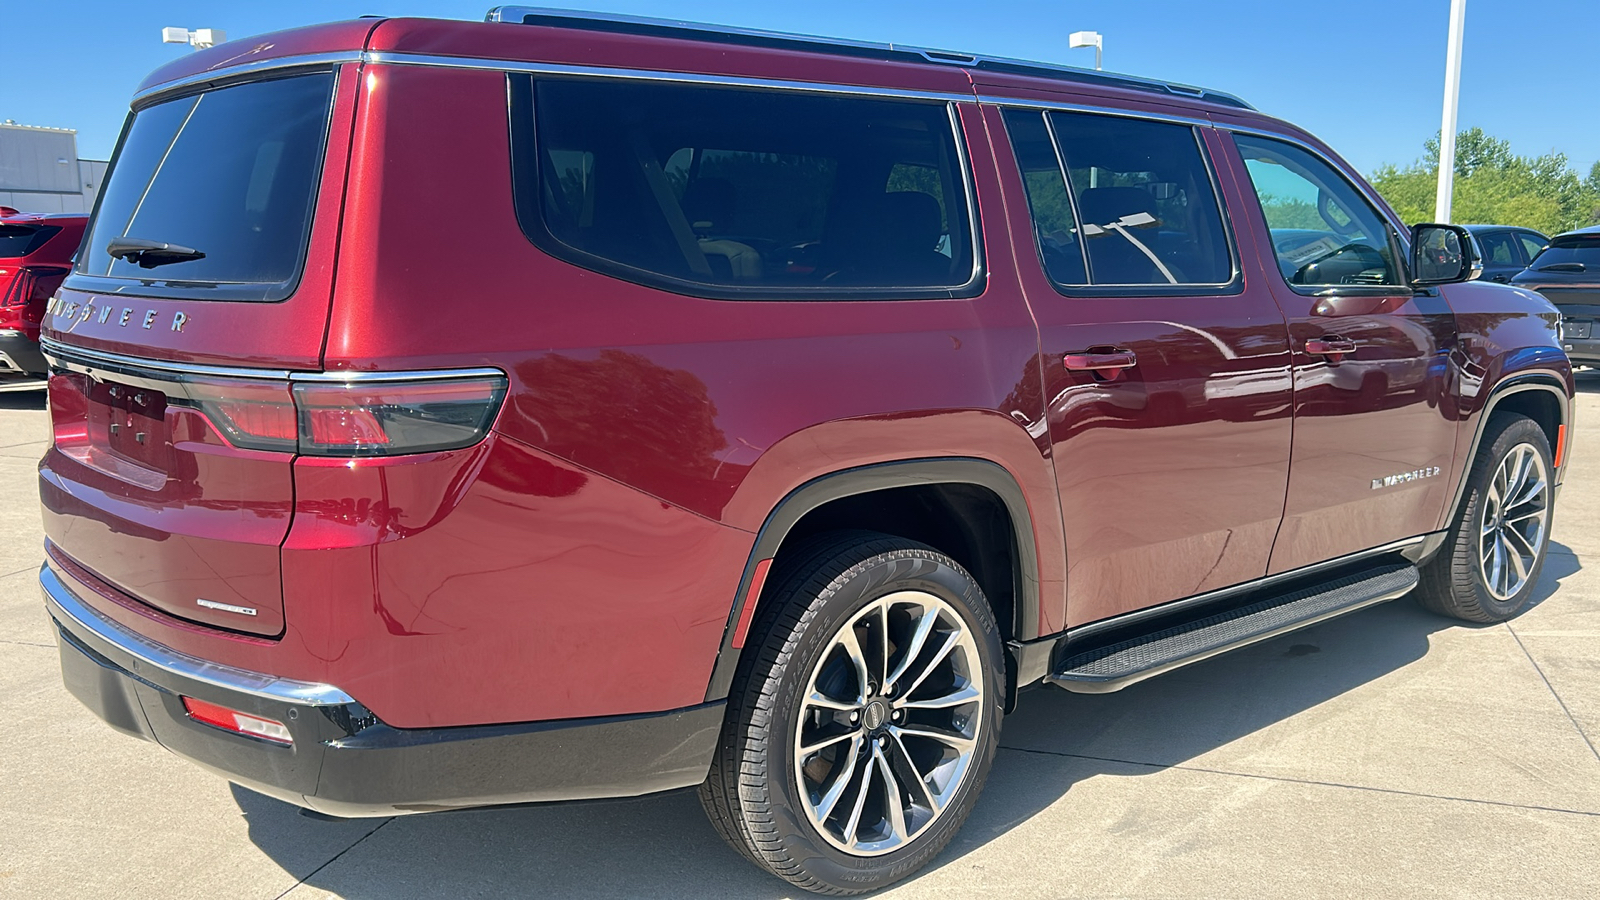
(1583, 249)
(729, 192)
(231, 173)
(20, 240)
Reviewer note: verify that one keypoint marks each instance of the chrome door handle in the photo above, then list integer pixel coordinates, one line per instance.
(1094, 360)
(1330, 345)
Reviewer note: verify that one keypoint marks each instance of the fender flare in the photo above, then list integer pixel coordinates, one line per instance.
(867, 479)
(1527, 380)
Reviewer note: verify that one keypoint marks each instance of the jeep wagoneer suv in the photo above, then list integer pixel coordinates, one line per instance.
(767, 414)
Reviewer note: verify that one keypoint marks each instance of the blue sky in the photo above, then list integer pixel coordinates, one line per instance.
(1365, 75)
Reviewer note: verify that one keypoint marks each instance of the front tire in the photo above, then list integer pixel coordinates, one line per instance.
(861, 727)
(1490, 563)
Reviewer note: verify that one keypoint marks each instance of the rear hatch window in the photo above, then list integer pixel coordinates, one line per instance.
(1572, 253)
(17, 240)
(210, 195)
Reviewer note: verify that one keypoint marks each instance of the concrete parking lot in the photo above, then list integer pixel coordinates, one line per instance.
(1389, 753)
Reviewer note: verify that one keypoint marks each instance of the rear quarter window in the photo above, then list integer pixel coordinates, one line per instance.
(736, 193)
(230, 173)
(20, 240)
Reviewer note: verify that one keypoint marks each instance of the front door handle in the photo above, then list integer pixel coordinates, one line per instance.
(1097, 359)
(1330, 345)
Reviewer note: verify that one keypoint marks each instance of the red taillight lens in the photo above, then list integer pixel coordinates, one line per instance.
(237, 722)
(389, 418)
(250, 414)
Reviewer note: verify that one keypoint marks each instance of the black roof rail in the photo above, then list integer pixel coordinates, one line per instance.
(593, 21)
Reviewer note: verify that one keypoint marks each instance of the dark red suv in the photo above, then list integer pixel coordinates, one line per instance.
(35, 255)
(794, 406)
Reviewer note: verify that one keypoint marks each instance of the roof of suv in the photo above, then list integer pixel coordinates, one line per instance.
(454, 38)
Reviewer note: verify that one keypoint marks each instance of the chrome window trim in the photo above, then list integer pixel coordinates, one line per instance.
(541, 68)
(89, 362)
(1049, 105)
(64, 605)
(244, 70)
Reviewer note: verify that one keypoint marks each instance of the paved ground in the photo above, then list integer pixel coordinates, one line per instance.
(1386, 754)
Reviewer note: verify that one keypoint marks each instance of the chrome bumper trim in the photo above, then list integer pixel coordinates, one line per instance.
(147, 654)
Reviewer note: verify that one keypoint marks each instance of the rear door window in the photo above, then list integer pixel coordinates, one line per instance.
(738, 193)
(1121, 202)
(230, 174)
(1498, 249)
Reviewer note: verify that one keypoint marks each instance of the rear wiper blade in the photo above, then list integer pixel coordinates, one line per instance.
(149, 254)
(1564, 267)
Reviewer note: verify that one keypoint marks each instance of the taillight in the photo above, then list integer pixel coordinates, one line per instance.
(390, 418)
(356, 418)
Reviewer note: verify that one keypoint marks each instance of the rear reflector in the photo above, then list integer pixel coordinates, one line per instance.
(1561, 444)
(237, 722)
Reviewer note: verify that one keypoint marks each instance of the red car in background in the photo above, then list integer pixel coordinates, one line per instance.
(35, 255)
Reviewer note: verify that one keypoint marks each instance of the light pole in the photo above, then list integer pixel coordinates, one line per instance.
(1086, 39)
(200, 38)
(1452, 98)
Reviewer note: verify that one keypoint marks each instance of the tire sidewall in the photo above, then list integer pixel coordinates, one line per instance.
(920, 570)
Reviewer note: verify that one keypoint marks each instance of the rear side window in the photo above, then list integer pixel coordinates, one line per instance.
(20, 240)
(729, 192)
(1531, 244)
(1132, 199)
(1323, 231)
(1498, 249)
(231, 174)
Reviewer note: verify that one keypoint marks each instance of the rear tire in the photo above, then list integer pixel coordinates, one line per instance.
(1490, 563)
(862, 723)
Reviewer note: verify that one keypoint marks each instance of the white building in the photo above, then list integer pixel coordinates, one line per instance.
(40, 170)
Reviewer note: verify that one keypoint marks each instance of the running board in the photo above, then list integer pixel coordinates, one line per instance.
(1114, 667)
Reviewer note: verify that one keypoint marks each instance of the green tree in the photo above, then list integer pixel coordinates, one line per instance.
(1495, 186)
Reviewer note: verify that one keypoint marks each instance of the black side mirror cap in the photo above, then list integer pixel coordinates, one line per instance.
(1442, 254)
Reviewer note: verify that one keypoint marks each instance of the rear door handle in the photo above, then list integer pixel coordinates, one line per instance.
(1095, 360)
(1330, 345)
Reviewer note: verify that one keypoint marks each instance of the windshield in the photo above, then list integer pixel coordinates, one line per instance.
(230, 173)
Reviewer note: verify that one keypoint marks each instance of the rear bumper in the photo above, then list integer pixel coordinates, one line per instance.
(20, 354)
(1586, 352)
(344, 761)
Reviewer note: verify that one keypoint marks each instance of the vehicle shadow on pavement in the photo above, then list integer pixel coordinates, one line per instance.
(662, 846)
(31, 399)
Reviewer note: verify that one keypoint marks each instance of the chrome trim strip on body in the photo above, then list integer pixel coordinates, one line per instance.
(1153, 612)
(89, 362)
(541, 68)
(381, 377)
(1026, 103)
(244, 70)
(147, 654)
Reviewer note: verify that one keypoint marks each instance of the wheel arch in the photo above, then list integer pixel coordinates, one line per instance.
(1540, 395)
(955, 487)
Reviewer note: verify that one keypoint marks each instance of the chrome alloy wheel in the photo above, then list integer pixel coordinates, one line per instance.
(889, 724)
(1516, 514)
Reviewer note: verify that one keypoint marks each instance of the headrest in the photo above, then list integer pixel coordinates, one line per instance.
(911, 219)
(1104, 205)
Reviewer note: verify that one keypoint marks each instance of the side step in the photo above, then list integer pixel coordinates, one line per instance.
(1114, 667)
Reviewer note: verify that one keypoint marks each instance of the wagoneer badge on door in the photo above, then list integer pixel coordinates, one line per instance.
(1392, 480)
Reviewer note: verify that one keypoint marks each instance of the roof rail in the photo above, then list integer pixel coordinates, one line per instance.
(593, 21)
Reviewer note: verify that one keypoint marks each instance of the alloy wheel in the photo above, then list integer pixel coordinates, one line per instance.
(1516, 515)
(889, 724)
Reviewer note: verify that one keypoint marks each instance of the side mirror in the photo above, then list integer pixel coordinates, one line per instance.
(1442, 254)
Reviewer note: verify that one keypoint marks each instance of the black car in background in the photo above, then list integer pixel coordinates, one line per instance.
(1505, 251)
(1567, 273)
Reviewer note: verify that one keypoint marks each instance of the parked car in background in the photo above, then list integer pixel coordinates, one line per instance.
(1505, 251)
(803, 402)
(1567, 273)
(35, 255)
